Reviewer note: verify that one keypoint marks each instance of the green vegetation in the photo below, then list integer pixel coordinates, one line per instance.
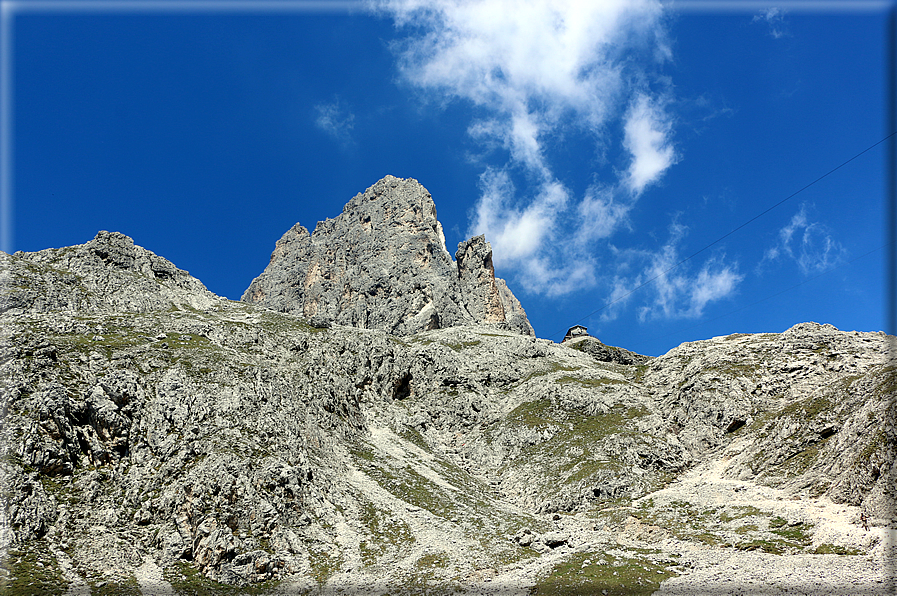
(532, 414)
(782, 537)
(796, 535)
(583, 469)
(323, 564)
(875, 443)
(458, 346)
(740, 512)
(886, 381)
(275, 322)
(732, 369)
(828, 407)
(833, 549)
(31, 570)
(106, 587)
(412, 436)
(548, 368)
(573, 445)
(364, 453)
(640, 371)
(585, 428)
(388, 539)
(388, 536)
(714, 525)
(592, 573)
(431, 560)
(580, 346)
(736, 336)
(801, 461)
(422, 492)
(408, 485)
(771, 547)
(811, 406)
(590, 383)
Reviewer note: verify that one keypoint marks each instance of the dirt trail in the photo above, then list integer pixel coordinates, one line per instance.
(731, 571)
(747, 510)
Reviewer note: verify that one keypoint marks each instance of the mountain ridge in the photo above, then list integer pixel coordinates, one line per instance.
(158, 439)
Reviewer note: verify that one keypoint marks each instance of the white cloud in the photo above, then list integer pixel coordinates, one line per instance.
(680, 295)
(809, 244)
(715, 281)
(518, 231)
(531, 64)
(534, 70)
(775, 18)
(647, 132)
(336, 120)
(671, 290)
(620, 294)
(546, 256)
(599, 215)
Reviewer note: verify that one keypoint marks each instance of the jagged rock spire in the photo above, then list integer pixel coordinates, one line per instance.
(382, 264)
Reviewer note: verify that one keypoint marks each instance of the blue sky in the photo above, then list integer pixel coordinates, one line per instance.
(595, 144)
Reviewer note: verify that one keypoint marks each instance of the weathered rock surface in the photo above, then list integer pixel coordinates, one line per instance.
(599, 351)
(109, 273)
(146, 437)
(382, 264)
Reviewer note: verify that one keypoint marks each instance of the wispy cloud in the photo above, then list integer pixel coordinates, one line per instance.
(530, 239)
(336, 120)
(809, 244)
(599, 214)
(681, 293)
(520, 231)
(648, 140)
(774, 17)
(535, 70)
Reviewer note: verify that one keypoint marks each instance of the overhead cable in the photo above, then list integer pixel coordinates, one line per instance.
(729, 233)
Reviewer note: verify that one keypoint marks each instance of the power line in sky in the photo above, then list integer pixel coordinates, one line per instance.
(779, 293)
(729, 233)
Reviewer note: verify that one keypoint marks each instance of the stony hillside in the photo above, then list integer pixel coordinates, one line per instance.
(158, 439)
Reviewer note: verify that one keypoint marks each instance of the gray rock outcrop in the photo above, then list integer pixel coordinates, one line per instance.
(382, 264)
(599, 351)
(108, 273)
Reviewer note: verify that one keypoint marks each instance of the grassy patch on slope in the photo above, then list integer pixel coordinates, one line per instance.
(593, 573)
(31, 570)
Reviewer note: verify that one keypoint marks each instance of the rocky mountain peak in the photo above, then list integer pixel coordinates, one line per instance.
(383, 264)
(109, 272)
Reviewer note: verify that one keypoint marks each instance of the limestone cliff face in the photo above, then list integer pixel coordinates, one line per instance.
(476, 276)
(382, 264)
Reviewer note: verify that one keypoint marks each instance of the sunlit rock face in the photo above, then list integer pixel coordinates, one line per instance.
(157, 436)
(382, 264)
(108, 273)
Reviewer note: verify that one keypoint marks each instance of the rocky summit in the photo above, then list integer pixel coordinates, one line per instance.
(383, 264)
(159, 440)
